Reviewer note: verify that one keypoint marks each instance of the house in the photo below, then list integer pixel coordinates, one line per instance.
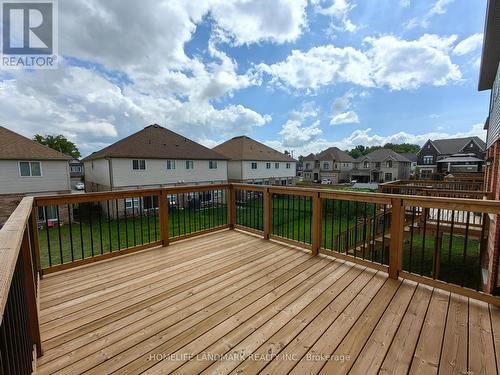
(443, 156)
(489, 79)
(29, 168)
(153, 157)
(413, 158)
(76, 171)
(253, 162)
(382, 165)
(332, 164)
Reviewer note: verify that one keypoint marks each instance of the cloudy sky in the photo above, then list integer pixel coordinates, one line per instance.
(296, 74)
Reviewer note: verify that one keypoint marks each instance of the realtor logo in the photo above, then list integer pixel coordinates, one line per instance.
(29, 34)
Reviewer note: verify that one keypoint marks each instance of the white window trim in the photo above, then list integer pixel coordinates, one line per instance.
(213, 162)
(191, 162)
(276, 165)
(172, 163)
(138, 170)
(29, 161)
(256, 165)
(132, 202)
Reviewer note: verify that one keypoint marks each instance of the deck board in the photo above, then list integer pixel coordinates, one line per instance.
(261, 306)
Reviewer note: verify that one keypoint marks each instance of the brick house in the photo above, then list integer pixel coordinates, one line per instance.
(489, 79)
(28, 168)
(332, 163)
(382, 165)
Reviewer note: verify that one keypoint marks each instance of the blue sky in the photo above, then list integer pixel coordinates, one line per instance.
(297, 75)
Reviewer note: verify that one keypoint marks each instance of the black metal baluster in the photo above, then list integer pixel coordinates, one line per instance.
(71, 232)
(364, 228)
(156, 212)
(133, 217)
(140, 220)
(118, 225)
(48, 235)
(100, 228)
(310, 220)
(59, 234)
(109, 228)
(423, 242)
(126, 221)
(339, 237)
(411, 239)
(149, 227)
(91, 229)
(451, 235)
(333, 223)
(437, 246)
(466, 243)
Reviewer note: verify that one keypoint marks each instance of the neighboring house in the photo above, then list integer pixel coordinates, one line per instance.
(382, 165)
(299, 169)
(153, 157)
(253, 162)
(76, 171)
(332, 164)
(489, 79)
(413, 158)
(28, 168)
(443, 156)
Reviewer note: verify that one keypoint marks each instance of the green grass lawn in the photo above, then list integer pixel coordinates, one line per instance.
(103, 236)
(291, 218)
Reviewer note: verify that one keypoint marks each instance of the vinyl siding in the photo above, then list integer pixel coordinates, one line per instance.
(494, 122)
(156, 173)
(234, 170)
(97, 172)
(55, 178)
(261, 171)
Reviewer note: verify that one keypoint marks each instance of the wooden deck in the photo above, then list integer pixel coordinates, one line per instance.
(232, 302)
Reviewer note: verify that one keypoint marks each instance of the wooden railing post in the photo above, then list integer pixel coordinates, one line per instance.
(164, 205)
(231, 203)
(397, 237)
(36, 241)
(29, 285)
(316, 224)
(267, 213)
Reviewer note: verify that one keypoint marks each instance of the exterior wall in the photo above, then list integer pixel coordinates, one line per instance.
(262, 173)
(97, 175)
(234, 170)
(55, 177)
(494, 113)
(427, 150)
(156, 173)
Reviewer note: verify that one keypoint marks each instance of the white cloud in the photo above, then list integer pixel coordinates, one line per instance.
(387, 61)
(438, 8)
(295, 134)
(349, 117)
(338, 10)
(469, 44)
(366, 137)
(341, 110)
(404, 3)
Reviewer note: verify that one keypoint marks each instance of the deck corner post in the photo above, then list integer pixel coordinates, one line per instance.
(267, 213)
(397, 237)
(316, 223)
(231, 202)
(164, 205)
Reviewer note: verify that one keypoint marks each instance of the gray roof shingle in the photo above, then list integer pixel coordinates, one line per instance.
(245, 148)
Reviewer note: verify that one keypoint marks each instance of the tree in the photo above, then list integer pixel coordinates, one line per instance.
(360, 150)
(59, 143)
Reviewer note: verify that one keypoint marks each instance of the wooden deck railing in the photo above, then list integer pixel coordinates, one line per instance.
(439, 241)
(19, 326)
(450, 189)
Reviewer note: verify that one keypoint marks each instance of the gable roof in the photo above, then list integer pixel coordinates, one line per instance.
(14, 146)
(382, 154)
(245, 148)
(332, 153)
(410, 156)
(156, 142)
(491, 52)
(455, 145)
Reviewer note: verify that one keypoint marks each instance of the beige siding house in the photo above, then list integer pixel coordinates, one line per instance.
(331, 164)
(28, 168)
(253, 162)
(153, 157)
(381, 165)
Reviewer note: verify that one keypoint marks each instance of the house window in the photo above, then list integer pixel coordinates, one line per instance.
(254, 165)
(287, 165)
(388, 177)
(30, 169)
(51, 213)
(268, 165)
(428, 159)
(336, 166)
(131, 202)
(388, 164)
(377, 165)
(170, 164)
(139, 165)
(276, 165)
(366, 164)
(326, 166)
(308, 166)
(189, 164)
(212, 164)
